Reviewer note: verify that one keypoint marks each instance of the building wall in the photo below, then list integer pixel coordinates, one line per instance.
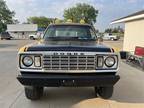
(22, 27)
(134, 35)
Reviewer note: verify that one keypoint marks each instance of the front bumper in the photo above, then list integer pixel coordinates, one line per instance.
(67, 80)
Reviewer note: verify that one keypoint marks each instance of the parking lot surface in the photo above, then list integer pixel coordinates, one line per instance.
(117, 45)
(130, 88)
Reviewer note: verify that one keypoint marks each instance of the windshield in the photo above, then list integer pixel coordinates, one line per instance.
(69, 32)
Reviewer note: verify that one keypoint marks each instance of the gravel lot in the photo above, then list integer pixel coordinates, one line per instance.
(129, 89)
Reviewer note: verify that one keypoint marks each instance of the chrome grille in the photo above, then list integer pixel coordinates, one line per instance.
(69, 62)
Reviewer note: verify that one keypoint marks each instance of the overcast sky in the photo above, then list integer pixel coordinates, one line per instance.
(108, 9)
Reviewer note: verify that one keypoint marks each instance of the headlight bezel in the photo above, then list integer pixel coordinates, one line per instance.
(105, 67)
(33, 66)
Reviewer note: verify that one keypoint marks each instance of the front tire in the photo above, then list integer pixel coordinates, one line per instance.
(32, 38)
(33, 93)
(96, 92)
(105, 92)
(112, 39)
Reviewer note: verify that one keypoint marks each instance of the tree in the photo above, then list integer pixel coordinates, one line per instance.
(109, 30)
(15, 21)
(81, 11)
(42, 21)
(6, 16)
(114, 30)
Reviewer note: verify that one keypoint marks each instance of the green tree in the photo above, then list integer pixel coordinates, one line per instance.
(114, 30)
(6, 16)
(108, 30)
(42, 21)
(81, 11)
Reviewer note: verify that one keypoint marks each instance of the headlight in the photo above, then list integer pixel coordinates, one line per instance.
(110, 61)
(27, 61)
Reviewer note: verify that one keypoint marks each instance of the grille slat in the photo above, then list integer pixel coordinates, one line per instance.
(69, 62)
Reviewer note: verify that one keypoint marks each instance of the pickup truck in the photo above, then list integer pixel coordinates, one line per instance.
(68, 56)
(109, 36)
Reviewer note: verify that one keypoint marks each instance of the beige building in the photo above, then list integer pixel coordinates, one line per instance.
(134, 30)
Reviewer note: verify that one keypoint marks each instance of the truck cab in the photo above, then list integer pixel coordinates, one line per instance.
(68, 56)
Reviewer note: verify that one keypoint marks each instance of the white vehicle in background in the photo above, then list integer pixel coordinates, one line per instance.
(36, 36)
(33, 36)
(110, 36)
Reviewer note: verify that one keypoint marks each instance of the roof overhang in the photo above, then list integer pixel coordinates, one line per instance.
(21, 27)
(122, 20)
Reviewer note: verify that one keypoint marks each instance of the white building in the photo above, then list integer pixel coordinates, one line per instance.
(21, 31)
(134, 30)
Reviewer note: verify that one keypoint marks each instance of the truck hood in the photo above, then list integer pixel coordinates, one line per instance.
(84, 46)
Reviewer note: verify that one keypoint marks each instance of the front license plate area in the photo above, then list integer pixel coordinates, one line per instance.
(67, 82)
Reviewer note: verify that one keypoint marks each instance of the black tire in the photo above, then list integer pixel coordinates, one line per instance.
(112, 39)
(31, 38)
(33, 93)
(105, 92)
(96, 91)
(115, 39)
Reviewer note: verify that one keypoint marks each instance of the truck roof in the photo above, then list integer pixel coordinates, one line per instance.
(77, 24)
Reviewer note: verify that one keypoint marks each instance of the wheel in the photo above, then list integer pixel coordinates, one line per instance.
(96, 91)
(31, 38)
(105, 92)
(33, 93)
(112, 39)
(115, 39)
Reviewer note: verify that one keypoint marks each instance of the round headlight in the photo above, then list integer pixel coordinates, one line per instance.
(27, 61)
(110, 61)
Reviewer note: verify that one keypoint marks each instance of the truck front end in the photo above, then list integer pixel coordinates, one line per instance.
(69, 56)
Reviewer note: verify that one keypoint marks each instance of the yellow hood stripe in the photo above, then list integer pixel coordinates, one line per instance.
(22, 49)
(116, 49)
(25, 48)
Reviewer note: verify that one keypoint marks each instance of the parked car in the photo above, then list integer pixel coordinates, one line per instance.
(36, 36)
(5, 35)
(68, 56)
(109, 36)
(33, 36)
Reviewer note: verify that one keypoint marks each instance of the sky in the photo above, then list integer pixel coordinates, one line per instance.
(109, 10)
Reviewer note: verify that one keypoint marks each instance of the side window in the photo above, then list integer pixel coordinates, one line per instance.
(50, 32)
(110, 34)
